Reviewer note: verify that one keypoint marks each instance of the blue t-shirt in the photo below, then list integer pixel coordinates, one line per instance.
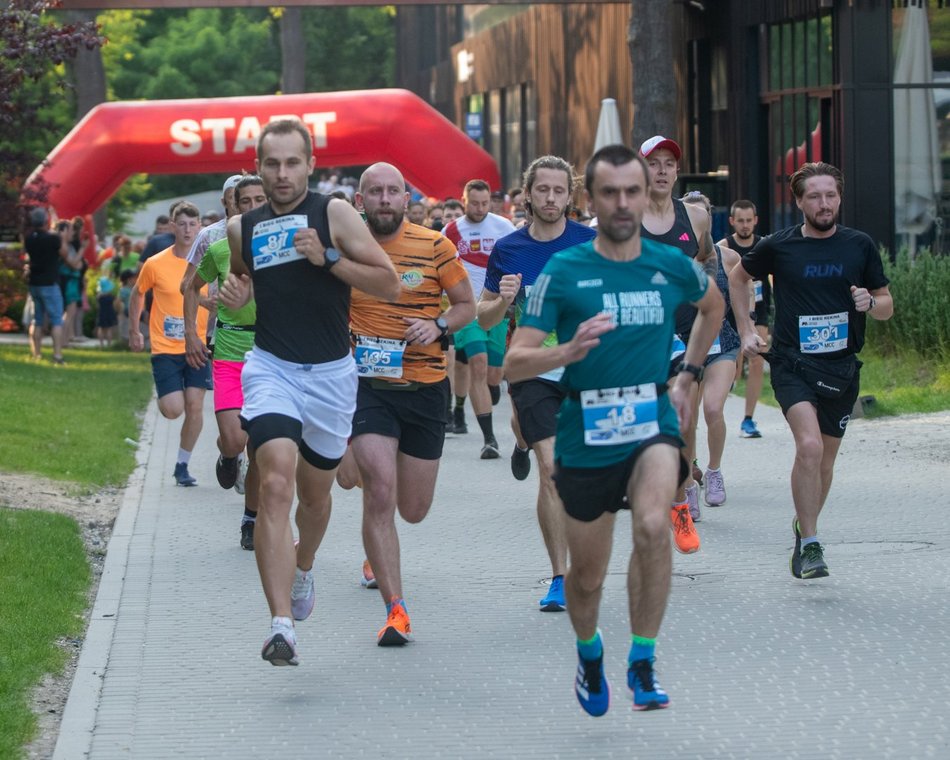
(642, 294)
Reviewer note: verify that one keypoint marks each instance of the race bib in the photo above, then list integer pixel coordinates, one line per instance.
(174, 328)
(757, 286)
(823, 333)
(272, 241)
(379, 357)
(614, 416)
(715, 348)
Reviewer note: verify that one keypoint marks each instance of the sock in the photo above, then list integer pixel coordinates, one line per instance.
(183, 456)
(592, 648)
(495, 392)
(681, 504)
(641, 648)
(459, 402)
(283, 622)
(300, 575)
(809, 540)
(485, 423)
(249, 516)
(526, 448)
(396, 600)
(711, 469)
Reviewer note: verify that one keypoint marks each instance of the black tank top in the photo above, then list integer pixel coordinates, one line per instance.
(302, 310)
(681, 236)
(742, 250)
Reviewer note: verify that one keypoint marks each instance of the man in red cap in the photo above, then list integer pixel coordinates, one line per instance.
(687, 227)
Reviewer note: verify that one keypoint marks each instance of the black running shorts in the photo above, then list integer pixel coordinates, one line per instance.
(834, 414)
(415, 417)
(536, 403)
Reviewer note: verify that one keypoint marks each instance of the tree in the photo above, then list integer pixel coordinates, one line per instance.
(33, 49)
(293, 50)
(650, 40)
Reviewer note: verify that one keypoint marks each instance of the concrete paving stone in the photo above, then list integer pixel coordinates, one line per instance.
(757, 664)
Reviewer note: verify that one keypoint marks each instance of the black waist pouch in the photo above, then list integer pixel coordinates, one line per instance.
(827, 377)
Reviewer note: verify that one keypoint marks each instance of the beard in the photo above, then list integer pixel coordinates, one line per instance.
(616, 232)
(822, 225)
(385, 225)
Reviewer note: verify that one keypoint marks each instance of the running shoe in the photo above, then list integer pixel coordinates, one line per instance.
(591, 686)
(242, 474)
(685, 537)
(397, 631)
(490, 449)
(520, 463)
(459, 426)
(247, 535)
(715, 491)
(281, 646)
(795, 561)
(697, 473)
(647, 693)
(748, 429)
(182, 477)
(368, 578)
(692, 500)
(226, 469)
(813, 562)
(302, 595)
(554, 601)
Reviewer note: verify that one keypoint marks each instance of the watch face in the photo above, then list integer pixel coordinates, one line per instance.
(331, 256)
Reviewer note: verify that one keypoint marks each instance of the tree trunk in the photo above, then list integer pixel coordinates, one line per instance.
(650, 39)
(293, 50)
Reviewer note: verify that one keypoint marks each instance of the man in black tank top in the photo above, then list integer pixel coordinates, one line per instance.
(668, 220)
(743, 219)
(302, 251)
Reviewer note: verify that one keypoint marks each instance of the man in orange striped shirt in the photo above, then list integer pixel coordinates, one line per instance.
(399, 348)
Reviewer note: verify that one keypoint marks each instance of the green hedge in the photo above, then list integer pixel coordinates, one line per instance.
(921, 291)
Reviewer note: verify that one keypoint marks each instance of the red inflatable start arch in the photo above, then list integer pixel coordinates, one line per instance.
(359, 127)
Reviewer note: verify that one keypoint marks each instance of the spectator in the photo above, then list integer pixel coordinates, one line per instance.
(45, 251)
(106, 317)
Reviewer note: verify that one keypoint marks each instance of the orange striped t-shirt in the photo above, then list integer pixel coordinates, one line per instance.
(427, 263)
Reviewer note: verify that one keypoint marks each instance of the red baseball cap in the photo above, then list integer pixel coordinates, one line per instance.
(658, 141)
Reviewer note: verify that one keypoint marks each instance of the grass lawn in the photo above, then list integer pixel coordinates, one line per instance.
(69, 424)
(901, 384)
(42, 600)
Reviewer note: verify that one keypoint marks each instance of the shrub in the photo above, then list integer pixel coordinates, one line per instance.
(921, 291)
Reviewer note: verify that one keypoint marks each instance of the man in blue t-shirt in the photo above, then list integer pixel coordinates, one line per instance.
(611, 303)
(514, 265)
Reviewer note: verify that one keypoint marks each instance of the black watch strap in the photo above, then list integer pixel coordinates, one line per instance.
(696, 372)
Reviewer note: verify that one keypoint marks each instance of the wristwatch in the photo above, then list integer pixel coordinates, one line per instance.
(330, 257)
(696, 372)
(871, 305)
(442, 325)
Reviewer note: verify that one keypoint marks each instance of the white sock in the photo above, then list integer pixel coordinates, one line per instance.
(281, 622)
(710, 469)
(184, 456)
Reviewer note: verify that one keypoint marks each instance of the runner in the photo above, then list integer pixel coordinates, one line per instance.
(743, 219)
(303, 251)
(827, 278)
(478, 354)
(180, 388)
(513, 267)
(719, 371)
(399, 425)
(234, 339)
(612, 302)
(668, 220)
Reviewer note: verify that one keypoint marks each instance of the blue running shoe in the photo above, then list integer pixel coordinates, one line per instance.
(647, 693)
(554, 601)
(591, 687)
(748, 429)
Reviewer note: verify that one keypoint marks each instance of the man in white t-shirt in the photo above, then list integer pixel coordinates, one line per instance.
(479, 354)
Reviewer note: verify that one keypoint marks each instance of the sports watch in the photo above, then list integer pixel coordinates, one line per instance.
(442, 325)
(696, 372)
(330, 257)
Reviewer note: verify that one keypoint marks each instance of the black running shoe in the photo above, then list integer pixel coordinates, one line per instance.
(495, 393)
(813, 562)
(520, 463)
(795, 561)
(490, 449)
(247, 536)
(226, 469)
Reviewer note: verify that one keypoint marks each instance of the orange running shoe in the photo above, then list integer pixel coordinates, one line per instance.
(397, 630)
(685, 537)
(369, 579)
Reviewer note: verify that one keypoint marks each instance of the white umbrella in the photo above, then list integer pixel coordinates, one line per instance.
(608, 128)
(917, 175)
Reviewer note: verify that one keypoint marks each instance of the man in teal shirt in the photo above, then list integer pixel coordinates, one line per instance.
(612, 302)
(234, 337)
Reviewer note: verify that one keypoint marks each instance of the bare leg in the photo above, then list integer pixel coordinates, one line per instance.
(551, 514)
